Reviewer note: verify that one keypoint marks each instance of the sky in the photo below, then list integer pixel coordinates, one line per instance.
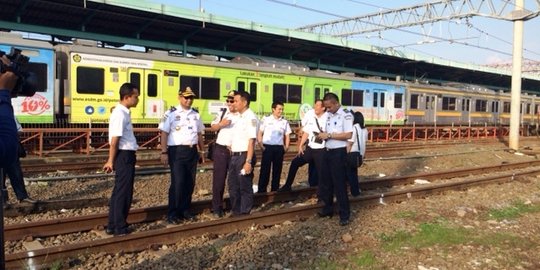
(489, 40)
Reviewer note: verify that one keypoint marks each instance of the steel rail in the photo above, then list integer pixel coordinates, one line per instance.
(151, 214)
(149, 239)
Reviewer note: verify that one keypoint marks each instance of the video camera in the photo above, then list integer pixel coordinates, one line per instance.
(26, 81)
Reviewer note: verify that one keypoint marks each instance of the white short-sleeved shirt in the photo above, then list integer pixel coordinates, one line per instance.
(338, 122)
(274, 129)
(244, 129)
(309, 125)
(182, 125)
(359, 137)
(120, 126)
(225, 134)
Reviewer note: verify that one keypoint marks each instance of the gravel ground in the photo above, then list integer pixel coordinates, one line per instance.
(449, 231)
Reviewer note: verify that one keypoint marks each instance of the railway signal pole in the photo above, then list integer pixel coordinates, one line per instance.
(517, 56)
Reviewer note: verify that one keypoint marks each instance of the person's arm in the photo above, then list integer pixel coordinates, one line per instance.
(164, 157)
(303, 140)
(287, 142)
(260, 139)
(113, 150)
(248, 168)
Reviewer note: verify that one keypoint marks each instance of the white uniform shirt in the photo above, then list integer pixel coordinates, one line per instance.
(120, 126)
(338, 122)
(182, 125)
(274, 129)
(244, 128)
(309, 125)
(359, 137)
(225, 134)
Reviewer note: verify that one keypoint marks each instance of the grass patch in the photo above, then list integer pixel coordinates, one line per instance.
(406, 214)
(428, 234)
(366, 259)
(517, 209)
(326, 264)
(431, 234)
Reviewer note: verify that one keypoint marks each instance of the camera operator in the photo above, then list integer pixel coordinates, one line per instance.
(8, 129)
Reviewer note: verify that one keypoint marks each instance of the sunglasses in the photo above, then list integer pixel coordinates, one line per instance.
(191, 97)
(230, 100)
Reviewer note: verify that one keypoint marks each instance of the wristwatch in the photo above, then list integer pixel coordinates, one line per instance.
(329, 135)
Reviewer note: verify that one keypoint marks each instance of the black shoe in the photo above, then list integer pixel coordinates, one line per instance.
(28, 200)
(344, 222)
(109, 231)
(188, 216)
(173, 220)
(323, 214)
(219, 213)
(122, 232)
(284, 189)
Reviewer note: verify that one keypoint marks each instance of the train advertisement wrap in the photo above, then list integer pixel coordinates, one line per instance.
(38, 108)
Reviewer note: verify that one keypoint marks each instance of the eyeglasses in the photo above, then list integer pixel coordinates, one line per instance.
(190, 97)
(230, 100)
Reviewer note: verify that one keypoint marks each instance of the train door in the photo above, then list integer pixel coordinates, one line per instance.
(151, 104)
(319, 90)
(379, 105)
(431, 109)
(252, 87)
(466, 110)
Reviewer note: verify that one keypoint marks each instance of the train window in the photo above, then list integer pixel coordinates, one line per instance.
(295, 94)
(357, 97)
(90, 80)
(280, 92)
(449, 103)
(192, 82)
(205, 88)
(506, 107)
(326, 90)
(375, 99)
(40, 69)
(536, 109)
(481, 105)
(398, 100)
(241, 86)
(252, 91)
(414, 101)
(382, 100)
(528, 111)
(466, 105)
(209, 88)
(152, 85)
(317, 93)
(287, 93)
(495, 106)
(135, 79)
(346, 97)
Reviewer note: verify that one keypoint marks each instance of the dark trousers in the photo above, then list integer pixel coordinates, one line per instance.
(183, 162)
(315, 158)
(221, 157)
(15, 174)
(352, 177)
(240, 186)
(333, 182)
(122, 194)
(271, 156)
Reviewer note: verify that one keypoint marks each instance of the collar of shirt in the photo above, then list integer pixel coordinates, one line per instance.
(123, 108)
(338, 112)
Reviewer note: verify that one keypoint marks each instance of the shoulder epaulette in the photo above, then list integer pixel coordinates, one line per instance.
(195, 110)
(172, 109)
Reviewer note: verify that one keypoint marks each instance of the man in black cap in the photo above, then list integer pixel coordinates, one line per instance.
(181, 133)
(221, 155)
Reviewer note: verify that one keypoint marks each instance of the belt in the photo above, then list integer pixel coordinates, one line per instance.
(184, 145)
(238, 153)
(335, 149)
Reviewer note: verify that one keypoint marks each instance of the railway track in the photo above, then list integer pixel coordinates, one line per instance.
(152, 238)
(96, 163)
